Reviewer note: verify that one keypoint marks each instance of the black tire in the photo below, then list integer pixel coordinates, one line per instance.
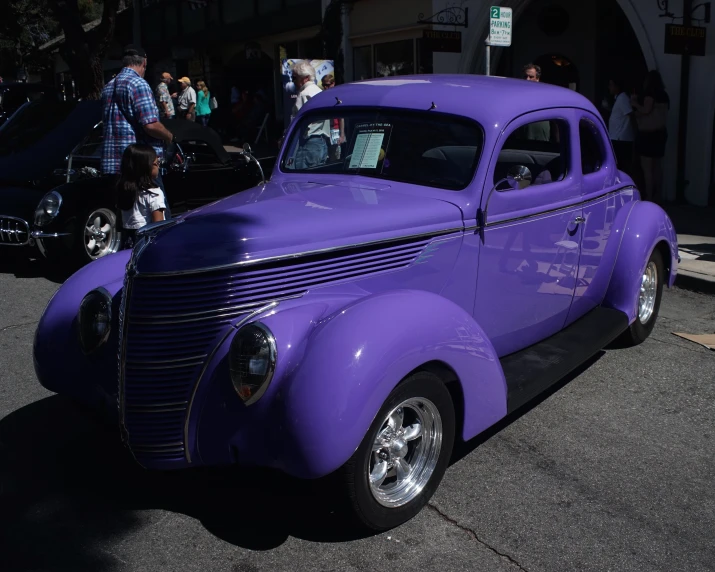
(639, 330)
(365, 507)
(107, 216)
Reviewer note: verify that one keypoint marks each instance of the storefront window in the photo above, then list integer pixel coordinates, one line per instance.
(395, 58)
(172, 23)
(192, 21)
(234, 11)
(424, 57)
(362, 63)
(268, 6)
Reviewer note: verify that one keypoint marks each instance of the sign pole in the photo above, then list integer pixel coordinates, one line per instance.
(499, 32)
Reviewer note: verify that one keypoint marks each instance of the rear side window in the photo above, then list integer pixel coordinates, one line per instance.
(540, 146)
(592, 151)
(424, 148)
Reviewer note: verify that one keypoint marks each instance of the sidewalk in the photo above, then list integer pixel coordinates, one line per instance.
(696, 246)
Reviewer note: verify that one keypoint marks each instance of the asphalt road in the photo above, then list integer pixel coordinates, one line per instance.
(614, 470)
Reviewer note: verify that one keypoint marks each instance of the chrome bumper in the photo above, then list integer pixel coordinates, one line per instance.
(39, 234)
(14, 231)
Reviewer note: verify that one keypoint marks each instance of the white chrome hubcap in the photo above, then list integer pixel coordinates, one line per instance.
(100, 236)
(405, 452)
(648, 292)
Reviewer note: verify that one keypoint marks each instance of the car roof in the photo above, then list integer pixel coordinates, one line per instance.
(487, 99)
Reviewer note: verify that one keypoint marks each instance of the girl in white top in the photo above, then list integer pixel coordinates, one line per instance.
(139, 197)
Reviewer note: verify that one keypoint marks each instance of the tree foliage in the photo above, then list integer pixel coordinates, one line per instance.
(28, 24)
(84, 49)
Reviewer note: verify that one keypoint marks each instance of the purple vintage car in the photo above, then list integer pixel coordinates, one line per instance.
(430, 254)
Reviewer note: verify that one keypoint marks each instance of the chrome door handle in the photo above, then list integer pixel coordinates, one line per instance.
(579, 220)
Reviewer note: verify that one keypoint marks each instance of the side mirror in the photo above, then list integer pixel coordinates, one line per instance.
(247, 147)
(519, 177)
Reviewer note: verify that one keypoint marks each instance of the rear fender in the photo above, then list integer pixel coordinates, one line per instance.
(648, 227)
(353, 359)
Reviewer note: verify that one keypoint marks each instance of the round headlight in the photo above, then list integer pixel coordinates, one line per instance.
(252, 361)
(48, 208)
(95, 320)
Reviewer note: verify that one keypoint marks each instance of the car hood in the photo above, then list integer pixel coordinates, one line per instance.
(286, 218)
(20, 202)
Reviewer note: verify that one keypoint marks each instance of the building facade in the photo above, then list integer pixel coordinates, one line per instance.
(577, 43)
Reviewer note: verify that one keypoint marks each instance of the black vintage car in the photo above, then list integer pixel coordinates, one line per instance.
(14, 95)
(35, 145)
(78, 218)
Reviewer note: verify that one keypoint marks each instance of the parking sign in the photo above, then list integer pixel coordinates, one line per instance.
(499, 26)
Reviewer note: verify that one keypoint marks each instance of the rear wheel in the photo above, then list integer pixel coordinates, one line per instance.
(98, 234)
(404, 455)
(650, 293)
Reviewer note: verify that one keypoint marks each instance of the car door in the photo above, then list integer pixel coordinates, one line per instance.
(603, 194)
(531, 236)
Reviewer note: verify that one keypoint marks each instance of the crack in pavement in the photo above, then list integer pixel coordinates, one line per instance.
(17, 326)
(474, 536)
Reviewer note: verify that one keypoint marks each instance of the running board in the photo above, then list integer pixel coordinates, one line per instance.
(532, 370)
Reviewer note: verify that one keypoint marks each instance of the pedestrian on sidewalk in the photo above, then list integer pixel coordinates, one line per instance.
(163, 97)
(187, 100)
(651, 110)
(621, 127)
(203, 97)
(130, 114)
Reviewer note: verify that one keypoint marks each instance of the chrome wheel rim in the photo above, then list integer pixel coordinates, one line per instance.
(100, 234)
(648, 292)
(405, 452)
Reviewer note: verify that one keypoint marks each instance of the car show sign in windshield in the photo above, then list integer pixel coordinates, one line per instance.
(369, 145)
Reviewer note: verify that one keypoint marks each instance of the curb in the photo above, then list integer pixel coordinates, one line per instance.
(695, 282)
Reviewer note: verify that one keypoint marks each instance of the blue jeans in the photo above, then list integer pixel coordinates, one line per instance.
(311, 152)
(204, 119)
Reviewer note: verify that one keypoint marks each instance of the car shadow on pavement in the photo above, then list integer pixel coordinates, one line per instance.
(68, 488)
(22, 266)
(462, 448)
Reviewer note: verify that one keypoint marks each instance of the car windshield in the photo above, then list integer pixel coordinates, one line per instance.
(424, 148)
(30, 124)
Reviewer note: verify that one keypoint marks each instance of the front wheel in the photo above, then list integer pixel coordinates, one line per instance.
(404, 455)
(649, 296)
(99, 234)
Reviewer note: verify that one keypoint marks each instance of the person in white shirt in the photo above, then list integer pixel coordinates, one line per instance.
(187, 100)
(315, 140)
(139, 197)
(620, 125)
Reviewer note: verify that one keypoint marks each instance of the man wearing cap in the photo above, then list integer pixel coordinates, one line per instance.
(130, 114)
(163, 97)
(187, 100)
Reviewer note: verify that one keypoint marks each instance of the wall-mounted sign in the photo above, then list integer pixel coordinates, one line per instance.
(442, 41)
(685, 40)
(499, 26)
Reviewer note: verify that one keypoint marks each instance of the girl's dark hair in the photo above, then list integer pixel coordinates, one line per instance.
(135, 174)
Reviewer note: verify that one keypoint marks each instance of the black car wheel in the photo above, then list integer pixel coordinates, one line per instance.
(649, 295)
(98, 234)
(404, 455)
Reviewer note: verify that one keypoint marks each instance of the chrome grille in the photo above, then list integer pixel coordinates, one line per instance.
(14, 231)
(171, 324)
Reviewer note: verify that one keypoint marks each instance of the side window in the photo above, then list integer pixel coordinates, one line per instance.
(540, 146)
(592, 152)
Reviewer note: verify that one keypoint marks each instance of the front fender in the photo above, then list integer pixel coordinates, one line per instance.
(59, 362)
(353, 359)
(648, 227)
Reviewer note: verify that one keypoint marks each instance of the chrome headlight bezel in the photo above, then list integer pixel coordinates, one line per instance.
(95, 306)
(255, 344)
(48, 208)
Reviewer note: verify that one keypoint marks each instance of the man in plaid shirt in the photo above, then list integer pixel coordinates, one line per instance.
(130, 114)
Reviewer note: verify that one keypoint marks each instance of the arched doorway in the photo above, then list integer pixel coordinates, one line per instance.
(596, 36)
(557, 69)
